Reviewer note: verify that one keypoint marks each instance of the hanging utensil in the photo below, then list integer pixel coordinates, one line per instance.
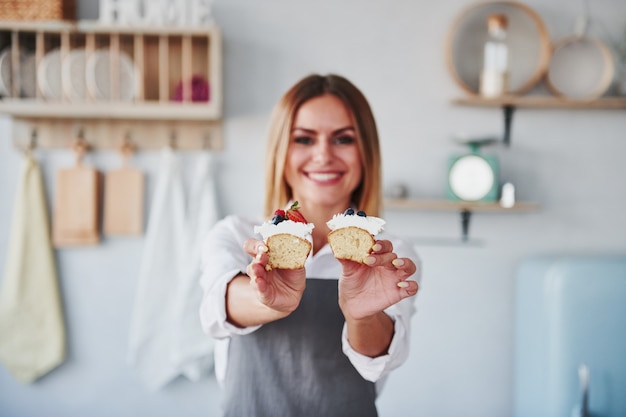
(76, 202)
(124, 196)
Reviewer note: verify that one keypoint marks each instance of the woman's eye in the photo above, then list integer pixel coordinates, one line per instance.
(303, 140)
(344, 140)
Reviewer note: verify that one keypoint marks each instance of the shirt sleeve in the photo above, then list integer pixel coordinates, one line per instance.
(223, 258)
(377, 369)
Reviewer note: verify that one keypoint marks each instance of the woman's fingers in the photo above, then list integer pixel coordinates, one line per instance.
(254, 246)
(404, 265)
(382, 246)
(408, 288)
(256, 269)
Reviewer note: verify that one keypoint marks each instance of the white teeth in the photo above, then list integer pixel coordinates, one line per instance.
(324, 176)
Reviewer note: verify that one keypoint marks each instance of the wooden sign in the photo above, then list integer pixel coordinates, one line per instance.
(156, 12)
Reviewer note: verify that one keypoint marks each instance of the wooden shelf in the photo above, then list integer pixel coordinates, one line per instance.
(446, 205)
(543, 102)
(465, 209)
(33, 108)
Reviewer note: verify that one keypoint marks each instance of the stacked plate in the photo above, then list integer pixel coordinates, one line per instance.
(100, 67)
(27, 87)
(79, 76)
(74, 75)
(49, 75)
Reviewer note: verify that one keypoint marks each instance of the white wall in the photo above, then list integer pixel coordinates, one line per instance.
(570, 161)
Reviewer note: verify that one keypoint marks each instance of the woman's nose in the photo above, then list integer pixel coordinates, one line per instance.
(321, 152)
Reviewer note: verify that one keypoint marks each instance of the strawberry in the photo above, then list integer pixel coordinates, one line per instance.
(294, 215)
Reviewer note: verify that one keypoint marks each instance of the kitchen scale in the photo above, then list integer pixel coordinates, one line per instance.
(473, 176)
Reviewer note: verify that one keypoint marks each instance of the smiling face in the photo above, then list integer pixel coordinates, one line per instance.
(323, 166)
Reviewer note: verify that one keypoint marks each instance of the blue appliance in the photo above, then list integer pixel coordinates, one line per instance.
(570, 329)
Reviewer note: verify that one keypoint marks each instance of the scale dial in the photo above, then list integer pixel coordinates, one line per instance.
(471, 178)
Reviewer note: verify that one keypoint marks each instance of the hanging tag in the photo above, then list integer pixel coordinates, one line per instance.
(76, 202)
(124, 198)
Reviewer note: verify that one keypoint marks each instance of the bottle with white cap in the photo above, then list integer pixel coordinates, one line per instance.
(494, 78)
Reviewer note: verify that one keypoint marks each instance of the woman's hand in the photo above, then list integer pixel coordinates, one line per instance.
(369, 288)
(278, 289)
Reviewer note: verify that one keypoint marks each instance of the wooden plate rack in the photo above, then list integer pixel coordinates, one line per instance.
(165, 60)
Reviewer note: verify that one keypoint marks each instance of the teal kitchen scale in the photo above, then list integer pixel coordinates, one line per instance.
(473, 176)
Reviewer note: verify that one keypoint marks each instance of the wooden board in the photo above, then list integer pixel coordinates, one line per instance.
(123, 202)
(76, 204)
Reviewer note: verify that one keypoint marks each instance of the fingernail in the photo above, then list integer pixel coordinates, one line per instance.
(403, 284)
(377, 247)
(397, 262)
(262, 248)
(370, 260)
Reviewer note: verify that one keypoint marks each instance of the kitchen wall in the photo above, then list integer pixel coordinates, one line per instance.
(569, 161)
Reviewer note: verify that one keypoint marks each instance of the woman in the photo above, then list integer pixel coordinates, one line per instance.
(318, 341)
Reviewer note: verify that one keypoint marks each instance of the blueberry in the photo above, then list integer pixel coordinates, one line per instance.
(277, 219)
(361, 213)
(349, 212)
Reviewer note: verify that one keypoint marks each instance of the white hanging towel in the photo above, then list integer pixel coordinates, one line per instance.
(164, 251)
(32, 331)
(192, 349)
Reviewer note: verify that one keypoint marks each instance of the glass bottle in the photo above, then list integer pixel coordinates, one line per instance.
(494, 77)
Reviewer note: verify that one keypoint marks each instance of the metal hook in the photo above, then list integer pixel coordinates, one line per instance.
(80, 133)
(32, 144)
(173, 140)
(126, 149)
(127, 146)
(206, 141)
(80, 146)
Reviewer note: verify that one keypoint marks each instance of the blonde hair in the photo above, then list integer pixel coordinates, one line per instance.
(368, 194)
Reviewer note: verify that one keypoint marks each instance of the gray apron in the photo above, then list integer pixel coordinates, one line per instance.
(295, 367)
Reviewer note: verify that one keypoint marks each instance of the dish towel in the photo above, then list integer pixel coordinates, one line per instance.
(32, 330)
(165, 250)
(192, 349)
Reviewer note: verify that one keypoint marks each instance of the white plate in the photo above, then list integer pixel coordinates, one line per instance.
(5, 72)
(28, 85)
(49, 75)
(29, 75)
(99, 76)
(74, 75)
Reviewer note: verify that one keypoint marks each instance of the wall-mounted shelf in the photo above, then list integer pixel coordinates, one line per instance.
(446, 205)
(510, 103)
(464, 208)
(174, 74)
(543, 102)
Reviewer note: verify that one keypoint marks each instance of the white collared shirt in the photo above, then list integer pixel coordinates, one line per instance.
(223, 258)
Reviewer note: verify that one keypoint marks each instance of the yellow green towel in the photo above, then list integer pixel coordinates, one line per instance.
(32, 331)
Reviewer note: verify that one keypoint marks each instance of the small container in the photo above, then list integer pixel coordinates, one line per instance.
(507, 197)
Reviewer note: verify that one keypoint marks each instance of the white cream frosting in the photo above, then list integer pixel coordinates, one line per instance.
(302, 230)
(373, 225)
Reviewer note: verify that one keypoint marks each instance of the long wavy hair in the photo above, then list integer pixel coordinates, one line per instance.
(368, 194)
